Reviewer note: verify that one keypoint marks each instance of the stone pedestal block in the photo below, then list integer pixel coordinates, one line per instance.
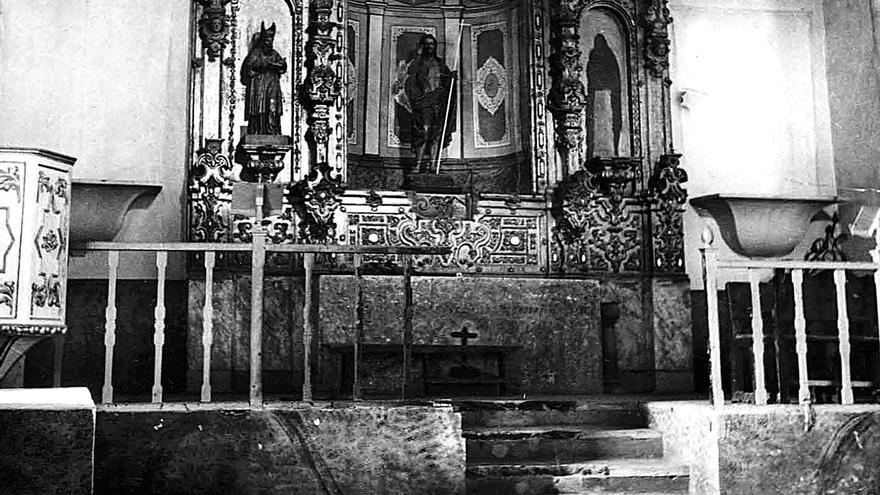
(46, 441)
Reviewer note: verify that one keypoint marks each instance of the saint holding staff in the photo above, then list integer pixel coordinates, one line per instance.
(429, 88)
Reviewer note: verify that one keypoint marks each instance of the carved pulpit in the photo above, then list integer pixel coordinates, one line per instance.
(34, 227)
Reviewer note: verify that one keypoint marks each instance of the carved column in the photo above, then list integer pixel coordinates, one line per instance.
(657, 20)
(667, 230)
(656, 25)
(316, 198)
(567, 96)
(322, 85)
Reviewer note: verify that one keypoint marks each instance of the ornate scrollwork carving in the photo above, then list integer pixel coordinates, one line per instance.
(595, 229)
(614, 176)
(827, 247)
(567, 97)
(665, 183)
(657, 20)
(46, 291)
(315, 200)
(322, 84)
(665, 188)
(373, 199)
(497, 243)
(278, 229)
(7, 294)
(10, 180)
(571, 204)
(213, 27)
(210, 193)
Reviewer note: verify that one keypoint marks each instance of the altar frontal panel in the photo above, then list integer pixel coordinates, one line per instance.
(555, 323)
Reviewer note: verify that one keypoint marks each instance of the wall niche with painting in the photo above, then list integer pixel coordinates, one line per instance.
(485, 48)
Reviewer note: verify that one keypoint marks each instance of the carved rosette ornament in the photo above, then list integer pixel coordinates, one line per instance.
(315, 200)
(210, 193)
(213, 27)
(657, 20)
(567, 97)
(322, 84)
(669, 197)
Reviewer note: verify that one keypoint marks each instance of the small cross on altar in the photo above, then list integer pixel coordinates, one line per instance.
(464, 334)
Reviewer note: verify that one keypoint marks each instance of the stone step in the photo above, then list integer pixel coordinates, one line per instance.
(549, 412)
(620, 476)
(559, 443)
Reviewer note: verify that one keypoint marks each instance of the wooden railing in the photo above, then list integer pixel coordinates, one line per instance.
(258, 250)
(713, 269)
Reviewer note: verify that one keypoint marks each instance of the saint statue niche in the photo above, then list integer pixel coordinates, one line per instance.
(428, 88)
(260, 73)
(604, 109)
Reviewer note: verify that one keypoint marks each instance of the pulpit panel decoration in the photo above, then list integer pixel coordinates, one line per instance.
(35, 216)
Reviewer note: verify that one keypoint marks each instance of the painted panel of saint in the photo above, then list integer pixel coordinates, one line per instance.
(605, 47)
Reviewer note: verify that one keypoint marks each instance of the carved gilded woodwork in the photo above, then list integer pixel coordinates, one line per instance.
(667, 229)
(315, 200)
(210, 194)
(323, 85)
(213, 27)
(597, 228)
(657, 20)
(607, 215)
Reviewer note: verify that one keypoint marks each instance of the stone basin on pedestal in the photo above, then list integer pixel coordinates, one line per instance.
(99, 207)
(762, 226)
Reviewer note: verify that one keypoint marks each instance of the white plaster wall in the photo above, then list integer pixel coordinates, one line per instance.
(105, 81)
(750, 103)
(853, 64)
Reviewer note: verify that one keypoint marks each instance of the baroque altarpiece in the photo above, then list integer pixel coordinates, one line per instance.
(561, 197)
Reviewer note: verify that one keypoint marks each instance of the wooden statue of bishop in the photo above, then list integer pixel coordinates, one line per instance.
(260, 73)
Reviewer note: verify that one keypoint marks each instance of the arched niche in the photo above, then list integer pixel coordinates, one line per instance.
(491, 147)
(217, 91)
(223, 32)
(605, 40)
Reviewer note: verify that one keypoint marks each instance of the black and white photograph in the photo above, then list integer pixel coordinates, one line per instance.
(439, 247)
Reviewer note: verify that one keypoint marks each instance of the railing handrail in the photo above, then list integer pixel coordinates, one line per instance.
(712, 265)
(802, 265)
(247, 247)
(258, 250)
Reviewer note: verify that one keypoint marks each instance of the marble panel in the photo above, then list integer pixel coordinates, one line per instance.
(784, 449)
(556, 322)
(633, 344)
(673, 335)
(223, 330)
(778, 449)
(230, 356)
(348, 450)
